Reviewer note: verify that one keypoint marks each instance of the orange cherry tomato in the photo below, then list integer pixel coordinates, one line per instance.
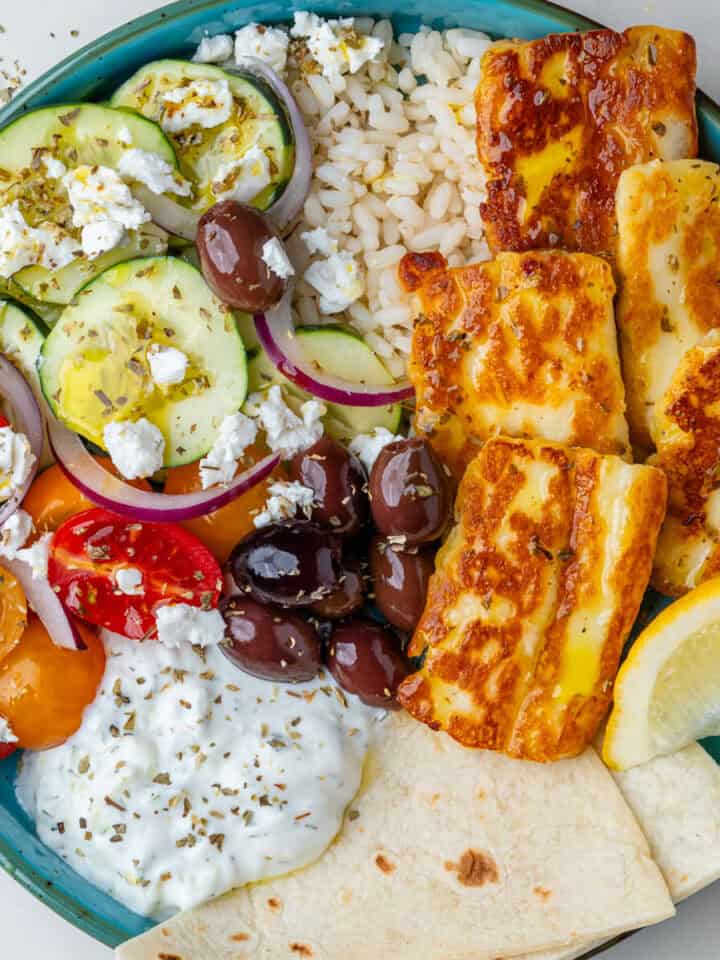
(221, 530)
(53, 498)
(13, 612)
(45, 688)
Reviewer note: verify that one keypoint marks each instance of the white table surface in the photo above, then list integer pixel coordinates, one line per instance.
(39, 33)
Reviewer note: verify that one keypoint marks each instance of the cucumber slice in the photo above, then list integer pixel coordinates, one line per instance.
(21, 339)
(257, 118)
(342, 353)
(60, 286)
(94, 367)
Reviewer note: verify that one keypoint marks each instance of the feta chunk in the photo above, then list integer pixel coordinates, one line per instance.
(214, 49)
(23, 246)
(338, 279)
(135, 447)
(262, 43)
(367, 446)
(285, 432)
(335, 44)
(99, 237)
(55, 168)
(244, 178)
(16, 461)
(467, 44)
(180, 623)
(36, 556)
(284, 502)
(319, 241)
(150, 169)
(6, 733)
(236, 433)
(203, 103)
(14, 532)
(168, 365)
(129, 580)
(276, 259)
(99, 193)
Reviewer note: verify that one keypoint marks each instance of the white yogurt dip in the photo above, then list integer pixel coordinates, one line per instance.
(188, 777)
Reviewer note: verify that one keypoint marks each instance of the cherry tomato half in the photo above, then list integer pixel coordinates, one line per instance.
(45, 688)
(89, 550)
(223, 529)
(13, 612)
(3, 422)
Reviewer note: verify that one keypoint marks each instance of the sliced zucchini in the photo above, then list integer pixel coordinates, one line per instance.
(257, 118)
(61, 286)
(47, 312)
(21, 339)
(341, 353)
(94, 367)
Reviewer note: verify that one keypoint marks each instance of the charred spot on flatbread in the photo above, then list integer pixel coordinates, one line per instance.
(302, 949)
(475, 868)
(384, 864)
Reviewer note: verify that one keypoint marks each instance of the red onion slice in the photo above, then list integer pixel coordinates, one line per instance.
(168, 214)
(289, 204)
(15, 389)
(276, 332)
(47, 605)
(114, 494)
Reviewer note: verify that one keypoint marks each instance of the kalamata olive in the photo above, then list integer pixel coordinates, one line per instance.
(348, 595)
(400, 581)
(269, 642)
(410, 492)
(365, 659)
(230, 241)
(292, 564)
(339, 481)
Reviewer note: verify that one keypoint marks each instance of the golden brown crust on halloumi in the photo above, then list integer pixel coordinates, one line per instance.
(533, 596)
(561, 117)
(669, 264)
(523, 345)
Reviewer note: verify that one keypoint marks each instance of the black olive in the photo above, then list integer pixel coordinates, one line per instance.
(365, 659)
(339, 483)
(400, 581)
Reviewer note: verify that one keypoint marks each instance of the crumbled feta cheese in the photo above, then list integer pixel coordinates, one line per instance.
(36, 556)
(467, 44)
(338, 279)
(276, 259)
(99, 193)
(284, 501)
(214, 49)
(124, 136)
(150, 169)
(244, 178)
(23, 246)
(16, 461)
(335, 44)
(168, 365)
(6, 733)
(129, 580)
(14, 532)
(99, 237)
(367, 446)
(136, 448)
(285, 431)
(319, 241)
(203, 103)
(262, 43)
(180, 623)
(236, 433)
(55, 168)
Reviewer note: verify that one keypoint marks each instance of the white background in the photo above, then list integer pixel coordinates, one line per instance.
(38, 33)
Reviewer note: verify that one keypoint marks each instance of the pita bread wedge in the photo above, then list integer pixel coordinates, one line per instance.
(676, 800)
(447, 854)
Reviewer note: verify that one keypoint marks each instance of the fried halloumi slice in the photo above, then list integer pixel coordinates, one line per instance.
(561, 117)
(523, 345)
(669, 264)
(533, 596)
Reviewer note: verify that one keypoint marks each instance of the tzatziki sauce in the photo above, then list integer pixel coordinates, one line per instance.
(189, 777)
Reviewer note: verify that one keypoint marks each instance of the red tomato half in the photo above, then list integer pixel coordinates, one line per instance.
(3, 422)
(89, 549)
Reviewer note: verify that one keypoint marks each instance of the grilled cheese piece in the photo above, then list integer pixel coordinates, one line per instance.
(559, 119)
(669, 264)
(533, 596)
(524, 345)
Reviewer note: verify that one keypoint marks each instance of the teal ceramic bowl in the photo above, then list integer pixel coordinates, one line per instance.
(92, 73)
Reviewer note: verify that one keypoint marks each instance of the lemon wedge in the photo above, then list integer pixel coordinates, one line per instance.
(667, 693)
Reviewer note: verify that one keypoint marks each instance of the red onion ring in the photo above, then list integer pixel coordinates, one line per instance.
(15, 389)
(276, 333)
(168, 214)
(287, 207)
(114, 494)
(47, 605)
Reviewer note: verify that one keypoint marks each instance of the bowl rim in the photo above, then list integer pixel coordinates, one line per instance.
(11, 861)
